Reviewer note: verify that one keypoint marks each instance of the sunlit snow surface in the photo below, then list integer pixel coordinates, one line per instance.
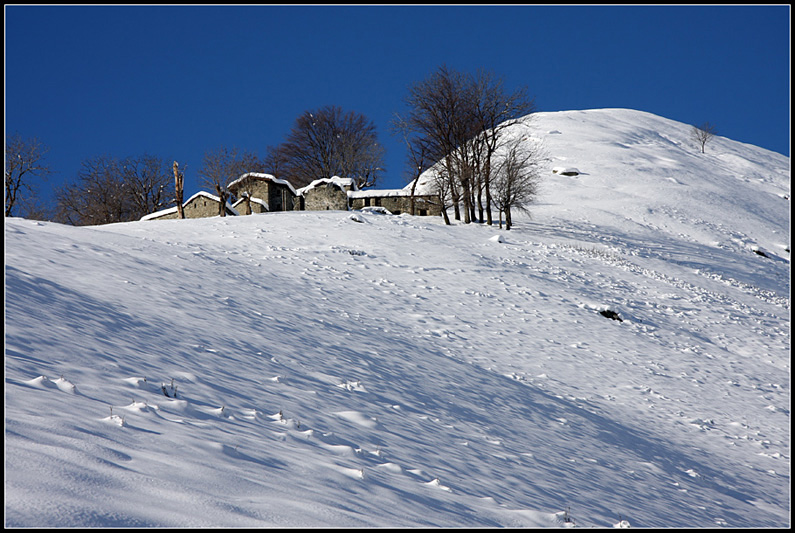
(315, 369)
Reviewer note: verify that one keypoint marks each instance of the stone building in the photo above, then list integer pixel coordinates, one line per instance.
(248, 206)
(327, 194)
(343, 194)
(261, 193)
(200, 205)
(277, 194)
(396, 201)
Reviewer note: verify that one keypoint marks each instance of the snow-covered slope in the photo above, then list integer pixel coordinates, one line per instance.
(330, 369)
(642, 174)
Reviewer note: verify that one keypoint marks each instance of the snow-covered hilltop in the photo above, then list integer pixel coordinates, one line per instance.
(311, 369)
(643, 172)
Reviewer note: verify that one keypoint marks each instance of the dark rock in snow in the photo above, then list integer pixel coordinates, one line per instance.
(607, 313)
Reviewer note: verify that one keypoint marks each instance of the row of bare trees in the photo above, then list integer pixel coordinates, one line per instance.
(112, 190)
(458, 125)
(463, 130)
(106, 189)
(109, 189)
(322, 143)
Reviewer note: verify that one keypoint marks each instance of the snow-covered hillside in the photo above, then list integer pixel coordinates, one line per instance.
(344, 369)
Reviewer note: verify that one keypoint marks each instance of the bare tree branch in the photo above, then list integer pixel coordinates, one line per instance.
(516, 180)
(703, 134)
(24, 171)
(460, 120)
(330, 142)
(221, 166)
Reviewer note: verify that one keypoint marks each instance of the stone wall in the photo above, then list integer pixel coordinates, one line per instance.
(201, 207)
(278, 196)
(326, 196)
(253, 205)
(424, 205)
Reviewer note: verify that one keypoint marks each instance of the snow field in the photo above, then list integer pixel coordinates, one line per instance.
(310, 370)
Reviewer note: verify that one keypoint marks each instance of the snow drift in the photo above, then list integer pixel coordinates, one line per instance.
(307, 369)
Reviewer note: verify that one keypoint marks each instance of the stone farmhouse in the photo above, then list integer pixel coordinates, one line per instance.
(327, 194)
(256, 192)
(342, 193)
(397, 201)
(272, 193)
(200, 205)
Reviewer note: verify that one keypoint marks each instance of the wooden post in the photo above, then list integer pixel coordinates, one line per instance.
(179, 182)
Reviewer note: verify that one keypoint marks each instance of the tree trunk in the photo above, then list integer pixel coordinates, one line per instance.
(456, 210)
(445, 216)
(467, 204)
(480, 201)
(487, 186)
(413, 187)
(221, 200)
(179, 182)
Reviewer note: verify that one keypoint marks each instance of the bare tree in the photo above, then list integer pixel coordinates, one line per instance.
(441, 117)
(496, 111)
(444, 186)
(109, 190)
(461, 120)
(25, 170)
(331, 142)
(418, 156)
(516, 180)
(220, 167)
(99, 196)
(275, 162)
(703, 134)
(146, 179)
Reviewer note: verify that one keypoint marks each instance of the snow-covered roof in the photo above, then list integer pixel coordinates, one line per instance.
(213, 198)
(342, 183)
(254, 200)
(262, 176)
(380, 193)
(171, 210)
(426, 184)
(160, 213)
(566, 171)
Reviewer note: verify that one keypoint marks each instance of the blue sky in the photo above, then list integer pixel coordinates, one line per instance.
(176, 82)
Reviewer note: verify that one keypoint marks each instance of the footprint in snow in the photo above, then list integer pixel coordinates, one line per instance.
(358, 418)
(249, 414)
(391, 467)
